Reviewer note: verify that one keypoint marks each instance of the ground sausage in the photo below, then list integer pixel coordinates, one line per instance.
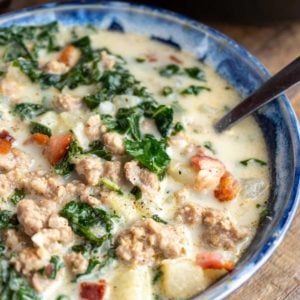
(147, 181)
(147, 241)
(219, 230)
(66, 102)
(76, 262)
(114, 142)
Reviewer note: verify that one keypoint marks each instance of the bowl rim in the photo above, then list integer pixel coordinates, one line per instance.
(288, 215)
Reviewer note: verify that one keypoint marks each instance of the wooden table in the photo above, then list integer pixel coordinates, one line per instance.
(275, 46)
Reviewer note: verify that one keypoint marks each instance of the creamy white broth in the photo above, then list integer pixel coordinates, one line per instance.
(133, 279)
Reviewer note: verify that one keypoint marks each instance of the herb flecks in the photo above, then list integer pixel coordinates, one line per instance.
(246, 162)
(194, 90)
(209, 146)
(158, 219)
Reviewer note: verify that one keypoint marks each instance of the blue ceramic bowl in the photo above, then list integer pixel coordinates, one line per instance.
(242, 70)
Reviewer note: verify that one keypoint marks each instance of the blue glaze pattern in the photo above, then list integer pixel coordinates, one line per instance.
(235, 64)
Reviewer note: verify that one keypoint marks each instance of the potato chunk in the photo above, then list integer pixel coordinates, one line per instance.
(182, 278)
(132, 284)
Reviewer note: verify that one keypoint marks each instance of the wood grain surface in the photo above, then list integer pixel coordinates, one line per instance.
(275, 46)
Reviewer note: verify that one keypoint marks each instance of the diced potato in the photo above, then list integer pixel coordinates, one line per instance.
(80, 136)
(182, 173)
(123, 206)
(132, 284)
(182, 278)
(48, 119)
(213, 275)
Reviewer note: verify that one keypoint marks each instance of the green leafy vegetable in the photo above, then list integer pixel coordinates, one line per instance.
(39, 128)
(195, 73)
(98, 149)
(82, 216)
(169, 70)
(99, 264)
(8, 220)
(166, 91)
(256, 160)
(140, 60)
(194, 90)
(163, 118)
(93, 101)
(82, 248)
(136, 191)
(157, 276)
(13, 286)
(208, 145)
(52, 269)
(158, 219)
(111, 185)
(150, 152)
(17, 196)
(62, 297)
(177, 128)
(29, 110)
(66, 166)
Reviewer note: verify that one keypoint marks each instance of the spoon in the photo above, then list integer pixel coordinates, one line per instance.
(270, 90)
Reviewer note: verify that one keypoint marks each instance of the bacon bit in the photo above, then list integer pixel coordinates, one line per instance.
(229, 266)
(151, 58)
(228, 188)
(69, 55)
(92, 290)
(213, 260)
(41, 139)
(175, 59)
(5, 146)
(57, 148)
(48, 270)
(5, 135)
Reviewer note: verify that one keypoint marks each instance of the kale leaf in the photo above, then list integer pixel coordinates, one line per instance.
(65, 167)
(151, 153)
(29, 110)
(194, 90)
(169, 70)
(17, 196)
(256, 160)
(13, 285)
(39, 128)
(8, 219)
(195, 73)
(163, 117)
(97, 148)
(51, 270)
(82, 217)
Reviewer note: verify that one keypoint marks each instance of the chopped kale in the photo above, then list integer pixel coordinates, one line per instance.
(157, 275)
(136, 191)
(151, 153)
(14, 50)
(98, 149)
(195, 73)
(166, 91)
(99, 264)
(169, 70)
(17, 196)
(159, 219)
(163, 118)
(177, 128)
(39, 128)
(82, 248)
(194, 90)
(93, 101)
(110, 185)
(29, 110)
(28, 67)
(82, 217)
(109, 121)
(13, 285)
(140, 60)
(62, 297)
(66, 166)
(8, 219)
(256, 160)
(208, 145)
(50, 271)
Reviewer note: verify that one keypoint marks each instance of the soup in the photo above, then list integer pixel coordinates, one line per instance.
(114, 184)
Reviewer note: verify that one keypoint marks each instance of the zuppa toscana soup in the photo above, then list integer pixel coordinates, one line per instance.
(114, 184)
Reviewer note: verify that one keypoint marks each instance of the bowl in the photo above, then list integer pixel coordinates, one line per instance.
(277, 119)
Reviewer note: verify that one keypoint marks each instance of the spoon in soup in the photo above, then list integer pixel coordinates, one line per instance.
(270, 90)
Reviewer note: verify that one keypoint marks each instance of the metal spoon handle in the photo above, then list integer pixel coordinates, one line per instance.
(272, 88)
